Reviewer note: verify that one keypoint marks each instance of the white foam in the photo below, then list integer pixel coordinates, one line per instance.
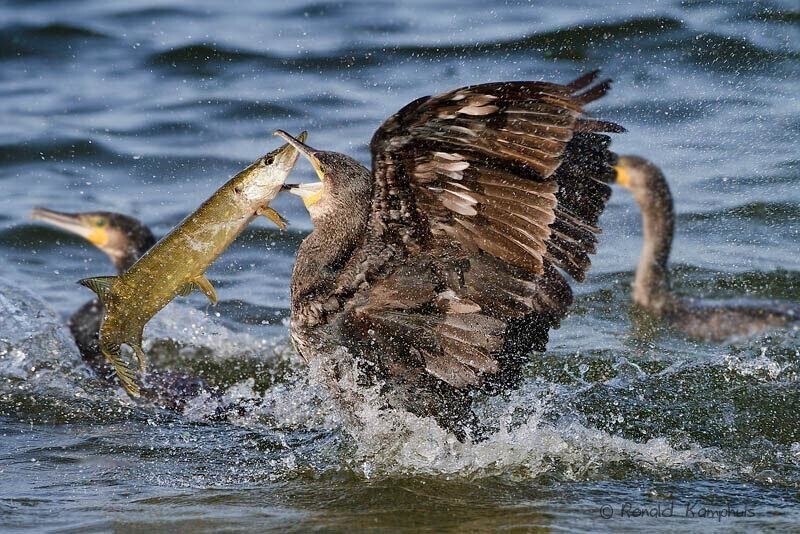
(526, 443)
(34, 342)
(191, 329)
(394, 442)
(761, 367)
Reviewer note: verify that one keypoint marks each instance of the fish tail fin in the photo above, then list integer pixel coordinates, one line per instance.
(101, 285)
(125, 374)
(141, 357)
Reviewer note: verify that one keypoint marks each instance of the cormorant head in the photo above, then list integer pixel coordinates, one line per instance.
(123, 238)
(344, 182)
(643, 179)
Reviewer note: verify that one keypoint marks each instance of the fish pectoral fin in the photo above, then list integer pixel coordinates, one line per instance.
(101, 285)
(186, 289)
(201, 283)
(273, 216)
(206, 287)
(125, 374)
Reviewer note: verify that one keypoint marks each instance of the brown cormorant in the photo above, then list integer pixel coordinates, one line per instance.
(701, 319)
(123, 239)
(443, 268)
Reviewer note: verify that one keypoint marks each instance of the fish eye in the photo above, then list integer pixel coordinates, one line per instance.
(269, 160)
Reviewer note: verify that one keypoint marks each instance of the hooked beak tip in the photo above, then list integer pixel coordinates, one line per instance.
(37, 213)
(297, 142)
(305, 150)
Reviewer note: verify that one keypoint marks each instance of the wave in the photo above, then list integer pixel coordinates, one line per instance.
(229, 108)
(36, 151)
(211, 58)
(207, 58)
(767, 14)
(315, 10)
(243, 312)
(148, 14)
(201, 54)
(27, 236)
(566, 43)
(49, 40)
(673, 111)
(776, 284)
(280, 240)
(726, 53)
(708, 50)
(769, 213)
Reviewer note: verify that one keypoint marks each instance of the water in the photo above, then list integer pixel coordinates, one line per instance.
(146, 107)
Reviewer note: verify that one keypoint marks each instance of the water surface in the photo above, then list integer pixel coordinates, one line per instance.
(147, 107)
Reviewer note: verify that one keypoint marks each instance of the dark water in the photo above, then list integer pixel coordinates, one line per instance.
(146, 108)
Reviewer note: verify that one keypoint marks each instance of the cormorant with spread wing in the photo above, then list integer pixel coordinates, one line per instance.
(442, 269)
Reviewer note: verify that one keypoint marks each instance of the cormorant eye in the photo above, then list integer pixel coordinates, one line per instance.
(100, 223)
(268, 160)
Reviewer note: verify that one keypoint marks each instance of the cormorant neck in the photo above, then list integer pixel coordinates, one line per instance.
(123, 262)
(136, 242)
(651, 287)
(338, 230)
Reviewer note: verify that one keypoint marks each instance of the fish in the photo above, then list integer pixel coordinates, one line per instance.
(176, 264)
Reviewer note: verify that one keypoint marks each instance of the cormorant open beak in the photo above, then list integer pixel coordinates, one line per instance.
(310, 193)
(305, 150)
(73, 223)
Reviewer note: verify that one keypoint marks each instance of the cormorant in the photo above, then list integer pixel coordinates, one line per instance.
(701, 319)
(123, 239)
(443, 268)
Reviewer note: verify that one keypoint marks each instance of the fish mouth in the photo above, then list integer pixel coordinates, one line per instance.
(307, 151)
(70, 222)
(286, 156)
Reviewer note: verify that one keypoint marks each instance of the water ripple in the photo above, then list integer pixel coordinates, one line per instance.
(50, 40)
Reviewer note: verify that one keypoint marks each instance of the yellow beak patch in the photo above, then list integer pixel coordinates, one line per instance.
(98, 236)
(623, 178)
(310, 193)
(313, 198)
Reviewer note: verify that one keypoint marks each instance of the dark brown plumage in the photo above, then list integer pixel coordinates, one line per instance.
(701, 319)
(441, 270)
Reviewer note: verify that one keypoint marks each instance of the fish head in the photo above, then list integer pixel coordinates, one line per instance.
(260, 182)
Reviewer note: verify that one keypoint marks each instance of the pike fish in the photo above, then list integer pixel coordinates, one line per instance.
(176, 264)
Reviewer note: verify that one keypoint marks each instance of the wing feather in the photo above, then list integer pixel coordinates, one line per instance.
(514, 175)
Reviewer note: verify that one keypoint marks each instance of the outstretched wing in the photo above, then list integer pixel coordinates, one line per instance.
(510, 174)
(479, 164)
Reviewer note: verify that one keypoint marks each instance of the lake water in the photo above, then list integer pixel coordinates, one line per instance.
(146, 107)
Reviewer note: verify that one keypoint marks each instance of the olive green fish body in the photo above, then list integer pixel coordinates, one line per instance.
(177, 263)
